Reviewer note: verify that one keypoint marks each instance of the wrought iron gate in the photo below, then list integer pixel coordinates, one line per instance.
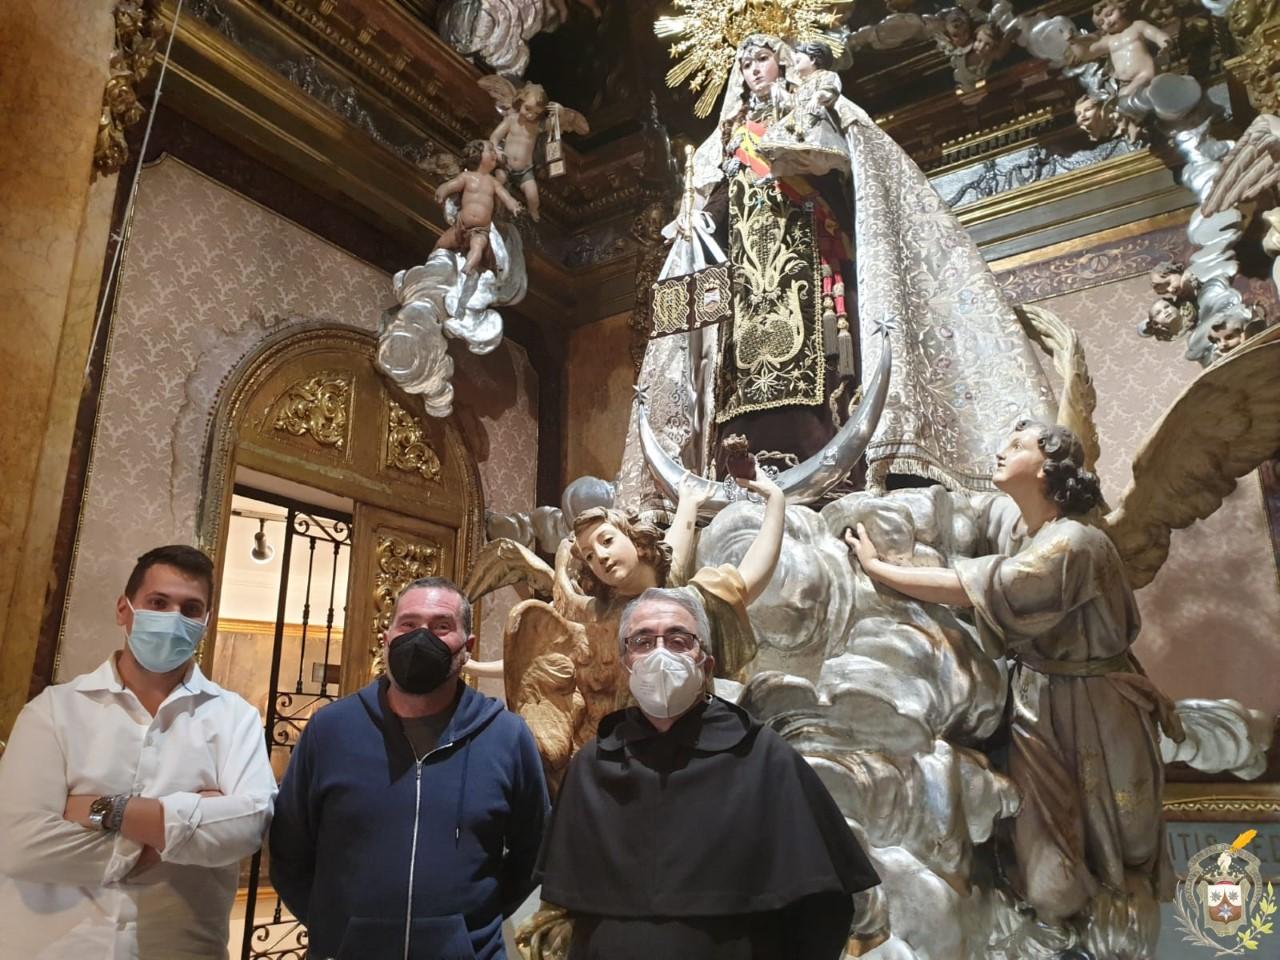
(292, 696)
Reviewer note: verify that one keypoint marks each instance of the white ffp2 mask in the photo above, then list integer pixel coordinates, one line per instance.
(665, 684)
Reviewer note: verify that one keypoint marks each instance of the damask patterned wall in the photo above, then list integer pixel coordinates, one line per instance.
(499, 394)
(1209, 618)
(207, 276)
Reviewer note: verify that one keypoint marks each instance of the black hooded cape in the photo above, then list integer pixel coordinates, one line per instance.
(715, 839)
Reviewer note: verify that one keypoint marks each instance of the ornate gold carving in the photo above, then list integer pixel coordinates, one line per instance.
(137, 32)
(707, 33)
(400, 561)
(237, 417)
(318, 406)
(1234, 808)
(407, 447)
(1255, 24)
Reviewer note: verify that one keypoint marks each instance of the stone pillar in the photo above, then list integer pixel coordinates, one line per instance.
(52, 239)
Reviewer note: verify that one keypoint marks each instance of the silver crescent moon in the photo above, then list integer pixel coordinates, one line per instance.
(806, 482)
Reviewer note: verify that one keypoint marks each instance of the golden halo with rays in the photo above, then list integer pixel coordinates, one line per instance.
(705, 35)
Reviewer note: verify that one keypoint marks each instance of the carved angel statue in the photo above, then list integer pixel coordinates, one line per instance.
(476, 266)
(1054, 594)
(528, 117)
(1125, 42)
(611, 557)
(964, 35)
(1174, 312)
(1248, 172)
(480, 192)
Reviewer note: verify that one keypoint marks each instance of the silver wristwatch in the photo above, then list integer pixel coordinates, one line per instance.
(107, 813)
(99, 810)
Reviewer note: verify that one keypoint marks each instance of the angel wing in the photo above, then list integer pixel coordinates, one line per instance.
(534, 631)
(540, 653)
(1078, 400)
(1252, 166)
(501, 89)
(503, 562)
(1223, 426)
(571, 121)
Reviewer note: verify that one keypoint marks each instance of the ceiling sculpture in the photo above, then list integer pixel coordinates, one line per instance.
(976, 111)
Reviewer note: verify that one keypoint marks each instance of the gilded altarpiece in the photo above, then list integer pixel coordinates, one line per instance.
(311, 408)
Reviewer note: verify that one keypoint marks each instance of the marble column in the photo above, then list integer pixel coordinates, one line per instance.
(52, 240)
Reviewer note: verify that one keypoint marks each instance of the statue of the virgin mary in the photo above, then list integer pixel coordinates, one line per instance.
(828, 238)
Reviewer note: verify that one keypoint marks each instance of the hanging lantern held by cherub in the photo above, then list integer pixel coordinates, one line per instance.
(527, 117)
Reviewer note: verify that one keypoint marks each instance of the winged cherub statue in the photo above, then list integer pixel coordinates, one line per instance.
(1125, 42)
(527, 117)
(612, 557)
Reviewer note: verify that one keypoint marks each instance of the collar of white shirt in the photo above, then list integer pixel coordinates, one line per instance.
(107, 678)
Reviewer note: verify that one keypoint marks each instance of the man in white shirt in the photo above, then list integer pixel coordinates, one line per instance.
(129, 795)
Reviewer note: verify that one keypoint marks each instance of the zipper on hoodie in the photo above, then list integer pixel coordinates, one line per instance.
(413, 853)
(413, 849)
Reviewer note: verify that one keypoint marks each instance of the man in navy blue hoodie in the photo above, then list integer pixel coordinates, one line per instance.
(409, 820)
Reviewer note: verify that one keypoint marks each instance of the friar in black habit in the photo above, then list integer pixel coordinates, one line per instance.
(687, 830)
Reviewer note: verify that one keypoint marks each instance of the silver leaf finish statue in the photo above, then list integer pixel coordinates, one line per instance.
(891, 698)
(437, 301)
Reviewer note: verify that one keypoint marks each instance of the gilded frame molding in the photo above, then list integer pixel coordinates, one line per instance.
(229, 411)
(1222, 802)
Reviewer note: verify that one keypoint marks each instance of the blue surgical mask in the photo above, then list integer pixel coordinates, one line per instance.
(163, 640)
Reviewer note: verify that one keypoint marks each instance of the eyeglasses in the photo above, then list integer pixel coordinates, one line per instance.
(677, 641)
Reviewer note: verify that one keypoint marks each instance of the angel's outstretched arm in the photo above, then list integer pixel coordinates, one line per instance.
(510, 202)
(681, 535)
(501, 130)
(450, 187)
(1082, 49)
(1154, 34)
(489, 669)
(829, 88)
(926, 584)
(761, 558)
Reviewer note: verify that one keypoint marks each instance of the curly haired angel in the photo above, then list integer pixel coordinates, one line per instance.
(1084, 749)
(612, 557)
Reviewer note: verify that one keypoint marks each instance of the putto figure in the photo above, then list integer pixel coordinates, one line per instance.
(1167, 320)
(528, 116)
(1172, 281)
(480, 190)
(1124, 42)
